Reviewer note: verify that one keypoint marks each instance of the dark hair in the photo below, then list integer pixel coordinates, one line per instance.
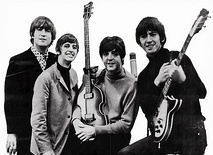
(111, 43)
(66, 38)
(42, 22)
(150, 24)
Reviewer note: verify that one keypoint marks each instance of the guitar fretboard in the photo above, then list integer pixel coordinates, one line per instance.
(87, 57)
(178, 61)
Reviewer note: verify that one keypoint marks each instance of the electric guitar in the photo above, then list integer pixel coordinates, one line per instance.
(168, 105)
(91, 98)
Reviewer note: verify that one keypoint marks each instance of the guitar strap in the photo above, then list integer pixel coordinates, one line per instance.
(100, 77)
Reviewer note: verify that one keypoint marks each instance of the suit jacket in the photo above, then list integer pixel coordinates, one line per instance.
(21, 74)
(52, 110)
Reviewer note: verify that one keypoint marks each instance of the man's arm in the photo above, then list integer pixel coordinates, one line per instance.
(39, 115)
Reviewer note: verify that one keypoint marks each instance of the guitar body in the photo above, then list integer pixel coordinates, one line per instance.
(163, 121)
(92, 106)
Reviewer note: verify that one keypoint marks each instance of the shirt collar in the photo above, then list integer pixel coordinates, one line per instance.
(38, 54)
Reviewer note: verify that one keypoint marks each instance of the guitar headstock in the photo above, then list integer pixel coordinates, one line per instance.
(88, 10)
(199, 23)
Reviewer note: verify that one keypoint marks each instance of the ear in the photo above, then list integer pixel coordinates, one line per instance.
(163, 40)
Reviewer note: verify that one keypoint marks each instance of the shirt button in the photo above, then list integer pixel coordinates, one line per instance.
(68, 116)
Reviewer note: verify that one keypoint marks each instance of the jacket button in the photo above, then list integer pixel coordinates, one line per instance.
(68, 116)
(69, 99)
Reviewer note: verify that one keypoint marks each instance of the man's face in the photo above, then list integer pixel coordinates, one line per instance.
(112, 61)
(42, 37)
(69, 51)
(150, 42)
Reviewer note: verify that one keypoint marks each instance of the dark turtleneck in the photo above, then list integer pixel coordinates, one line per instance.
(116, 75)
(65, 74)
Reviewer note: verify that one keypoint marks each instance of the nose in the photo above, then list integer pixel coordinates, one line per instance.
(110, 56)
(148, 39)
(43, 32)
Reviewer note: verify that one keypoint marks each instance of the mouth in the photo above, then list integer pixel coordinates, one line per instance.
(110, 64)
(42, 39)
(70, 53)
(150, 47)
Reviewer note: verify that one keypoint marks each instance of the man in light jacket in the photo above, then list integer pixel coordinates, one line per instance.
(54, 95)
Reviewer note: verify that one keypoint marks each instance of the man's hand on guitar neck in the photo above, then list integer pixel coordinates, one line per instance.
(176, 72)
(170, 70)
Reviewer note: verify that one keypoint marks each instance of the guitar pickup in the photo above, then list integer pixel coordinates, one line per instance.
(88, 95)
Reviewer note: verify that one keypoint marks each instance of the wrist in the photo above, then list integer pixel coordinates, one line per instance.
(156, 82)
(77, 123)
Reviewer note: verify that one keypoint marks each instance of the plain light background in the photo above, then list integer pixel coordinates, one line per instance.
(112, 17)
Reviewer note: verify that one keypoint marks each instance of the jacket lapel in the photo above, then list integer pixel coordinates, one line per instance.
(63, 83)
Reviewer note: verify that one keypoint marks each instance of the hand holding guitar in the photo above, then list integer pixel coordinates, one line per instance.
(170, 70)
(176, 72)
(163, 74)
(83, 132)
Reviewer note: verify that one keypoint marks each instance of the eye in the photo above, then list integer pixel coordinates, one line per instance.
(105, 53)
(47, 29)
(66, 45)
(143, 36)
(39, 29)
(115, 53)
(74, 46)
(152, 33)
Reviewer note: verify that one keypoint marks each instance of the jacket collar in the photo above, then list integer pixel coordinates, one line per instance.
(73, 80)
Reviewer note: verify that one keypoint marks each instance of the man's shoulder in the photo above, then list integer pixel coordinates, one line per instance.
(48, 73)
(21, 55)
(129, 75)
(51, 54)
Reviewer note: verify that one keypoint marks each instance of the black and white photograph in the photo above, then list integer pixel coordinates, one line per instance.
(106, 77)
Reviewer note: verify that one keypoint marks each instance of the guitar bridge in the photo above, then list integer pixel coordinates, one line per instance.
(88, 95)
(89, 118)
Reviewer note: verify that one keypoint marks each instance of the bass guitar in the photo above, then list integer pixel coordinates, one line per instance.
(91, 98)
(168, 105)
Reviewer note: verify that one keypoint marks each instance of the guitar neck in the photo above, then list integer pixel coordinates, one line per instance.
(183, 50)
(178, 61)
(86, 43)
(87, 57)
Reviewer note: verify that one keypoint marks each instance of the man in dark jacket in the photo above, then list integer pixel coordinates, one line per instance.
(188, 134)
(22, 72)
